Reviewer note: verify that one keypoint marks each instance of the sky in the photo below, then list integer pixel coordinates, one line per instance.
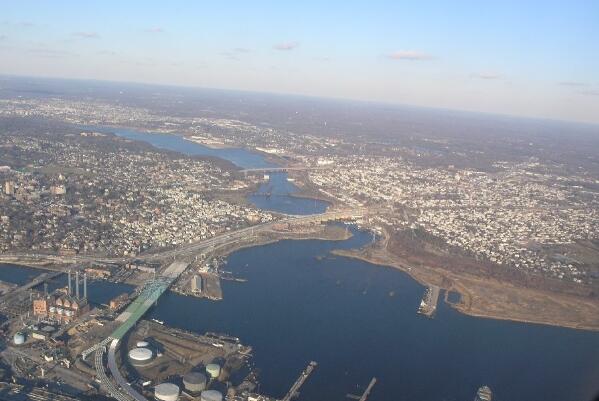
(529, 58)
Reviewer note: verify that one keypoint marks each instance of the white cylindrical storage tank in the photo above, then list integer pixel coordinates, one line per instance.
(18, 338)
(60, 311)
(166, 392)
(140, 356)
(142, 344)
(211, 395)
(53, 309)
(69, 313)
(213, 370)
(194, 382)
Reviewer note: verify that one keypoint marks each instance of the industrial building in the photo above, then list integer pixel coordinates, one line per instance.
(63, 308)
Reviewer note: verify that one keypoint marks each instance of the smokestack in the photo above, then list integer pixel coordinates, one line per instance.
(77, 284)
(85, 285)
(70, 286)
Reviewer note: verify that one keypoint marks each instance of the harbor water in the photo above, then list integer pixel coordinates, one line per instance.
(359, 320)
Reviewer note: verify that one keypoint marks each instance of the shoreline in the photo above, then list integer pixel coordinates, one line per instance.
(322, 233)
(518, 304)
(209, 145)
(466, 303)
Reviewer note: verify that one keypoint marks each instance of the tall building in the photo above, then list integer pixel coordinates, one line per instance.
(9, 187)
(196, 284)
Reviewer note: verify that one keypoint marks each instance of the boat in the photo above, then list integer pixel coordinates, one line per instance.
(484, 393)
(158, 321)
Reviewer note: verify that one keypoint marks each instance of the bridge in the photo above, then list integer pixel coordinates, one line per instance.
(198, 245)
(283, 169)
(232, 236)
(119, 388)
(38, 280)
(14, 302)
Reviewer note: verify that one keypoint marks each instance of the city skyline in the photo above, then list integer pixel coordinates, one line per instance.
(533, 60)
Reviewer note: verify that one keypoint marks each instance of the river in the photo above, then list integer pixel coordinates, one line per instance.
(277, 194)
(358, 320)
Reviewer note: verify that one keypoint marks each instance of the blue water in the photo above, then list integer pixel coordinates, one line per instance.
(275, 194)
(358, 320)
(242, 158)
(278, 187)
(99, 292)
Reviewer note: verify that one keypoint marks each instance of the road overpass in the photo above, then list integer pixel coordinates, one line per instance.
(118, 387)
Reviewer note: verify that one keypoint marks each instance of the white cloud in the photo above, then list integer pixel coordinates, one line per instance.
(409, 55)
(573, 83)
(86, 35)
(486, 75)
(286, 46)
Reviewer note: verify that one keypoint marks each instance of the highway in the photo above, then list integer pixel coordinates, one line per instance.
(221, 239)
(122, 391)
(232, 236)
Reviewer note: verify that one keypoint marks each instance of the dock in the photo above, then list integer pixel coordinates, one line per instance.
(366, 392)
(428, 305)
(294, 390)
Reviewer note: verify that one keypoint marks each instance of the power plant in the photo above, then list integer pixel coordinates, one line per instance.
(70, 287)
(63, 308)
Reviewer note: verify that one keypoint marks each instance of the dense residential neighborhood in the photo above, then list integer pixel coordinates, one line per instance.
(77, 196)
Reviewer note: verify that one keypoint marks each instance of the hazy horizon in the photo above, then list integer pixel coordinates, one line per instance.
(506, 58)
(464, 113)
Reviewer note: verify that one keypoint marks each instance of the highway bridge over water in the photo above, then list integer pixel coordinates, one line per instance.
(118, 387)
(283, 169)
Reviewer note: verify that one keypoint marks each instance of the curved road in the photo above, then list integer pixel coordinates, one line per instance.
(122, 390)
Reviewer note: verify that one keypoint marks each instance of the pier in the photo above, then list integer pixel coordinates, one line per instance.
(294, 390)
(366, 392)
(428, 305)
